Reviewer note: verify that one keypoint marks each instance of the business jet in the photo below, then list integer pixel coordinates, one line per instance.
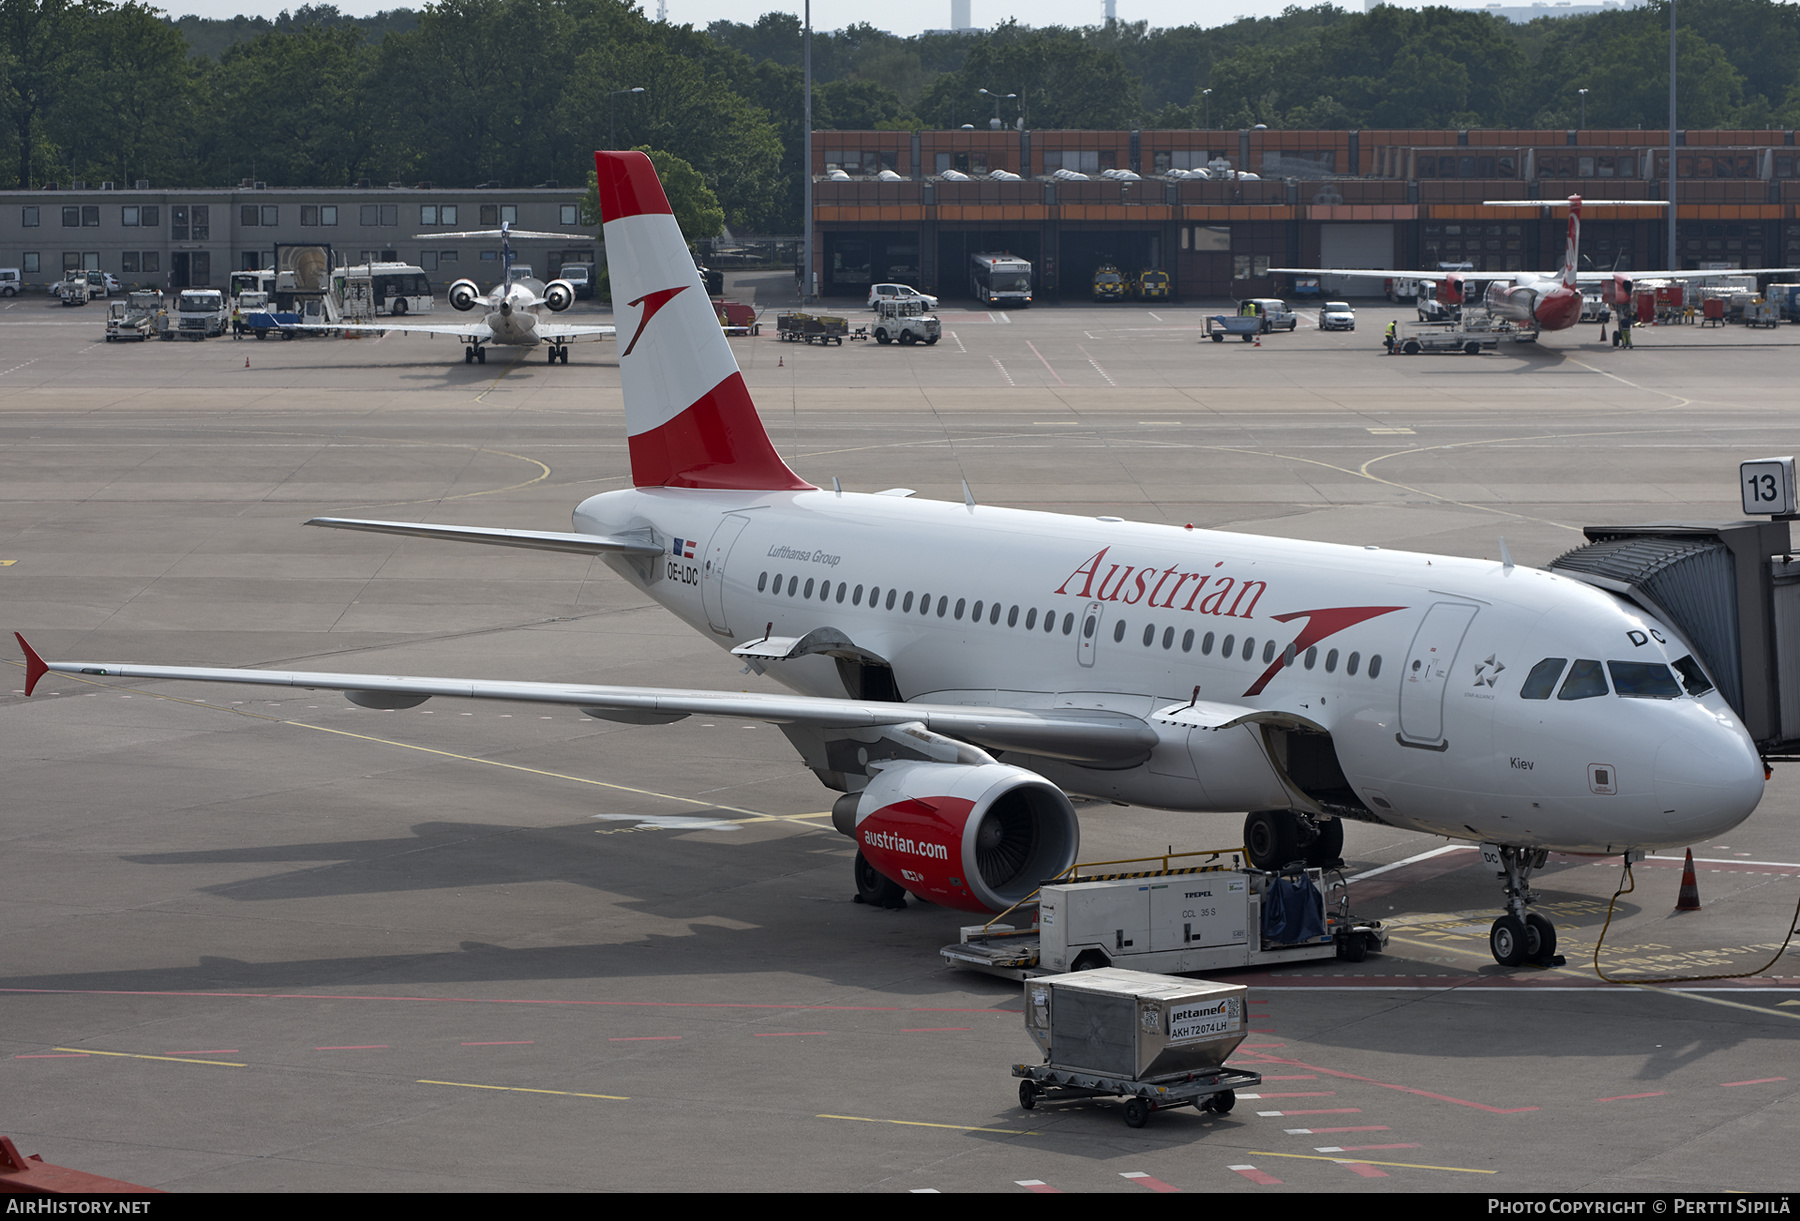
(512, 309)
(957, 670)
(1535, 300)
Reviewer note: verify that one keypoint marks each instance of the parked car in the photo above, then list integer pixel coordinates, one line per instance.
(900, 292)
(1274, 312)
(10, 282)
(1337, 316)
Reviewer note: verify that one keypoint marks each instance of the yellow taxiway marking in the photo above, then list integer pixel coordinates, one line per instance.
(519, 1089)
(1363, 1161)
(5, 563)
(913, 1123)
(1571, 973)
(88, 1051)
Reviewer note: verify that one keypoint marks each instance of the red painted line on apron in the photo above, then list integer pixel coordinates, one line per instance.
(1629, 1097)
(1758, 1081)
(1320, 1111)
(1362, 1148)
(1256, 1176)
(1365, 1170)
(1328, 1131)
(642, 1038)
(788, 1034)
(1407, 1089)
(358, 1047)
(1039, 1186)
(505, 1043)
(1144, 1180)
(934, 1029)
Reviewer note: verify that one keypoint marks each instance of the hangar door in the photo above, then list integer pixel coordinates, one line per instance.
(1364, 245)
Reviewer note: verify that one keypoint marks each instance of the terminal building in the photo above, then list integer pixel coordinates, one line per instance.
(196, 238)
(914, 206)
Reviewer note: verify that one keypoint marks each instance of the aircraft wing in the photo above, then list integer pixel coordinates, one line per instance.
(565, 331)
(1084, 736)
(468, 332)
(1598, 277)
(537, 540)
(1401, 274)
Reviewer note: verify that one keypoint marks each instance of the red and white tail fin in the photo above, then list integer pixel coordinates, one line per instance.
(687, 410)
(1574, 250)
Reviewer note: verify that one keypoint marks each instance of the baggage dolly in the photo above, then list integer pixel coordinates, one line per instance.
(1214, 1091)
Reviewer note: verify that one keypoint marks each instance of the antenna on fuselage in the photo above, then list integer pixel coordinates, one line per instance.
(968, 497)
(1506, 560)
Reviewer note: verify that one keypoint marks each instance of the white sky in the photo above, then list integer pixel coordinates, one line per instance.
(903, 19)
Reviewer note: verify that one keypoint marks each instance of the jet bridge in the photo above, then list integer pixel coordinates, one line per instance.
(1733, 590)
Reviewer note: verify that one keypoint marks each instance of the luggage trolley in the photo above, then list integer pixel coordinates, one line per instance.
(1157, 1041)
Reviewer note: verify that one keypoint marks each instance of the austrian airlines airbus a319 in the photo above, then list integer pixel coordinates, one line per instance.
(957, 670)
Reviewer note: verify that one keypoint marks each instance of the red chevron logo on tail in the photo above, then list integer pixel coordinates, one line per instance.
(651, 303)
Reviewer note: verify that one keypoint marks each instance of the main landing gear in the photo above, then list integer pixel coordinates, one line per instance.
(474, 354)
(1274, 839)
(1521, 935)
(559, 351)
(876, 889)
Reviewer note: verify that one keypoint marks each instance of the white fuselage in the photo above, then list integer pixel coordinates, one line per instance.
(512, 317)
(1412, 663)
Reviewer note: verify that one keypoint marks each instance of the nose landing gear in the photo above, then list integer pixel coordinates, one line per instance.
(1521, 935)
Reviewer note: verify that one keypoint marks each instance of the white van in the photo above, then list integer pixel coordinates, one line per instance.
(10, 284)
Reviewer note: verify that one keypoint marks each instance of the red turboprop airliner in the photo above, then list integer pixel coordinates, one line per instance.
(1539, 300)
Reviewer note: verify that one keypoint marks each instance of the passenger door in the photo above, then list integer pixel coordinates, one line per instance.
(1426, 673)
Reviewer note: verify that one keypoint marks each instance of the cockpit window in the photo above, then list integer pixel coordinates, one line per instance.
(1644, 680)
(1586, 680)
(1542, 679)
(1693, 678)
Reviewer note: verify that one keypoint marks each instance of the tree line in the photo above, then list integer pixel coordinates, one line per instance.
(464, 92)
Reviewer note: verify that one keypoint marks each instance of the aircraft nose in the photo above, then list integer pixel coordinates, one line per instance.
(1708, 779)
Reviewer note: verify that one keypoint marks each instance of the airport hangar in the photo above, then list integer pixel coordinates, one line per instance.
(890, 205)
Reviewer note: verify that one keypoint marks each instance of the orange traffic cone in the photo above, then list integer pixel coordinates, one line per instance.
(246, 362)
(1690, 888)
(780, 361)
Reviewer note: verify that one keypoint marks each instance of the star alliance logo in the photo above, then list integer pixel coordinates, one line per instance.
(1488, 671)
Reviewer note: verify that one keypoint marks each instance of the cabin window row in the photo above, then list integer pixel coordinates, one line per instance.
(792, 586)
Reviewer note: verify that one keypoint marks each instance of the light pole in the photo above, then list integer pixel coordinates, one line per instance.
(1673, 215)
(1583, 93)
(806, 173)
(612, 116)
(997, 97)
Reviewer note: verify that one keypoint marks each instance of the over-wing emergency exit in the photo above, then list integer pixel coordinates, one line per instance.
(956, 671)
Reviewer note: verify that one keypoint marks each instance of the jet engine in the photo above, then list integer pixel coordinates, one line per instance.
(559, 295)
(463, 294)
(978, 837)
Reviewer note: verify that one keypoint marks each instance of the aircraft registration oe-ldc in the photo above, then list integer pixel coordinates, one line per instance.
(959, 669)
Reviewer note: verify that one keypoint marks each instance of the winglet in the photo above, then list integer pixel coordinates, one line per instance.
(34, 665)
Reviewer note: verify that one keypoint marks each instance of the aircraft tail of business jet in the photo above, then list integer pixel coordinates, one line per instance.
(957, 670)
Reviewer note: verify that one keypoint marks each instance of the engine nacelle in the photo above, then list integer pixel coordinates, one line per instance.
(974, 837)
(559, 295)
(464, 294)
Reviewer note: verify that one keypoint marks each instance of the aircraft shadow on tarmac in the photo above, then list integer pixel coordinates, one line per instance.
(767, 890)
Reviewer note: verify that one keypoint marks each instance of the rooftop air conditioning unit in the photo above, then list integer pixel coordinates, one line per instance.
(106, 186)
(143, 184)
(78, 186)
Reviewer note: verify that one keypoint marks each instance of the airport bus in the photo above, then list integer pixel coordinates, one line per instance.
(1000, 279)
(395, 288)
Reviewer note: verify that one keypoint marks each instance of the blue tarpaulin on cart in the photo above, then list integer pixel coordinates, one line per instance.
(1293, 911)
